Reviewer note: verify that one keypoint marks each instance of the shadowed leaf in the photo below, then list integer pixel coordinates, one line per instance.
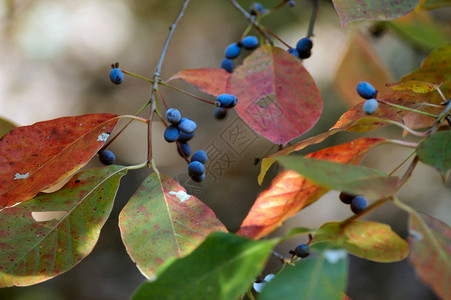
(35, 157)
(360, 63)
(430, 254)
(357, 180)
(433, 4)
(161, 222)
(320, 276)
(222, 267)
(51, 233)
(289, 192)
(370, 240)
(435, 150)
(6, 126)
(277, 97)
(420, 30)
(415, 86)
(352, 10)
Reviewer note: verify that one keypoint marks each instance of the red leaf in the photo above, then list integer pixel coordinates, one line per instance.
(289, 192)
(277, 97)
(35, 157)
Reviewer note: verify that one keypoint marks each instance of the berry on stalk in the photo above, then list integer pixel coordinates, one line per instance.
(366, 90)
(106, 157)
(116, 74)
(358, 204)
(232, 51)
(370, 106)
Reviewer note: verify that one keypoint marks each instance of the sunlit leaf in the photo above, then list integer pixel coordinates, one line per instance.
(435, 150)
(320, 276)
(161, 221)
(360, 63)
(420, 30)
(352, 10)
(430, 254)
(277, 97)
(6, 126)
(35, 157)
(436, 68)
(414, 85)
(357, 180)
(370, 240)
(51, 233)
(222, 267)
(289, 192)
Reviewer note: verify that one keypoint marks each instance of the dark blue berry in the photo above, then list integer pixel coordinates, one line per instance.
(184, 148)
(302, 250)
(200, 156)
(249, 42)
(220, 113)
(198, 178)
(227, 64)
(304, 44)
(358, 204)
(232, 51)
(294, 52)
(173, 115)
(116, 76)
(187, 125)
(196, 168)
(366, 90)
(346, 198)
(370, 106)
(185, 137)
(305, 54)
(106, 157)
(171, 133)
(227, 100)
(291, 3)
(256, 9)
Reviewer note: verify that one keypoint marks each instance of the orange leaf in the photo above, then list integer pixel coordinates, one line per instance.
(35, 157)
(289, 192)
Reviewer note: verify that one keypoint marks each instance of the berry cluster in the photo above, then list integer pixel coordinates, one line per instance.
(303, 48)
(224, 102)
(358, 203)
(367, 91)
(181, 130)
(233, 51)
(116, 74)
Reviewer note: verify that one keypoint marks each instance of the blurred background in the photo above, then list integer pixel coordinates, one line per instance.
(55, 58)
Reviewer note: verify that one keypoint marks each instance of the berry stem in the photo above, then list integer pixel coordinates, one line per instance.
(186, 93)
(403, 143)
(157, 77)
(123, 128)
(311, 25)
(402, 163)
(444, 114)
(137, 76)
(407, 108)
(276, 36)
(252, 21)
(411, 131)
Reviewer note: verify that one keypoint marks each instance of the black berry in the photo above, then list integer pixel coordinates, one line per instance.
(184, 149)
(304, 44)
(196, 168)
(346, 198)
(302, 251)
(171, 133)
(106, 157)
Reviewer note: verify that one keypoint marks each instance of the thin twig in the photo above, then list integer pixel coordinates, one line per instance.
(311, 25)
(157, 77)
(252, 21)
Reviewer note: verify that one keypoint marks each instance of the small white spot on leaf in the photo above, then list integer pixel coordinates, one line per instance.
(103, 137)
(48, 215)
(333, 256)
(415, 235)
(21, 176)
(182, 195)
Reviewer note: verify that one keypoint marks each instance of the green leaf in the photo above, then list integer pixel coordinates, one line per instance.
(6, 126)
(352, 10)
(430, 242)
(370, 240)
(319, 276)
(51, 233)
(222, 267)
(435, 150)
(161, 222)
(356, 180)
